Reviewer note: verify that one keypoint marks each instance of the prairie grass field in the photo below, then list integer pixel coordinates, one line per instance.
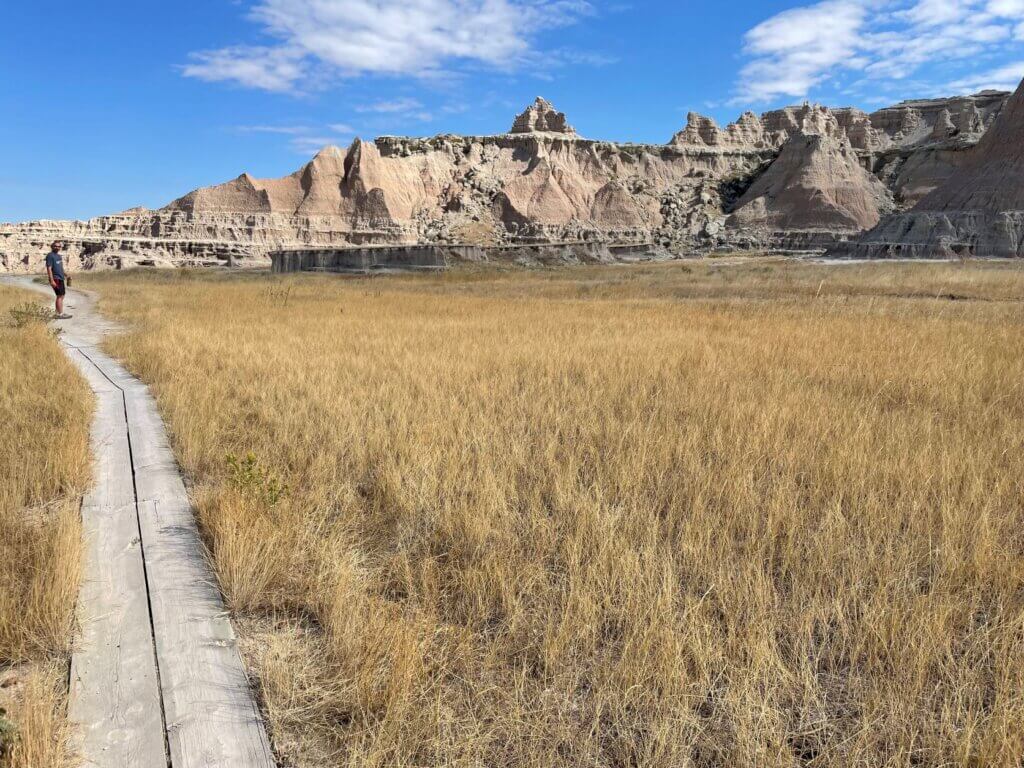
(752, 513)
(45, 409)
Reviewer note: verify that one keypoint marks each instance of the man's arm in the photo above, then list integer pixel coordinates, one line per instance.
(50, 277)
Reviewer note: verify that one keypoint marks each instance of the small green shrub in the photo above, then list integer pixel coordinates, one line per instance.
(8, 733)
(247, 476)
(27, 314)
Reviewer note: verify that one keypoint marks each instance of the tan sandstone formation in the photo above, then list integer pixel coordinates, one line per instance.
(542, 117)
(816, 188)
(795, 178)
(977, 211)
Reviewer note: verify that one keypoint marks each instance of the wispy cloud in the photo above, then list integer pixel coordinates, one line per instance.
(797, 49)
(876, 41)
(304, 139)
(573, 56)
(390, 107)
(320, 39)
(1004, 78)
(284, 130)
(267, 68)
(308, 145)
(408, 108)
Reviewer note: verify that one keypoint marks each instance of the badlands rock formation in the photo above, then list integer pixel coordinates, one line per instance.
(795, 178)
(979, 211)
(542, 117)
(816, 186)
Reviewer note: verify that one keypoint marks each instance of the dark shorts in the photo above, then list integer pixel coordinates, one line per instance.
(60, 289)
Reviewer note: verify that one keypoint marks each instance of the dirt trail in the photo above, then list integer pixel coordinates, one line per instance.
(156, 677)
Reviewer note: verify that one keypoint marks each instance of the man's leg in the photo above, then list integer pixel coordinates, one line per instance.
(60, 305)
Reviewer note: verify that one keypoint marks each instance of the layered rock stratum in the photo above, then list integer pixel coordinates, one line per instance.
(798, 178)
(978, 211)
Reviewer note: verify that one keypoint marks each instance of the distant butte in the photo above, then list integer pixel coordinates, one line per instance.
(806, 177)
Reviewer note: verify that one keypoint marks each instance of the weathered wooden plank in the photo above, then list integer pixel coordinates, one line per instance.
(114, 693)
(212, 718)
(111, 370)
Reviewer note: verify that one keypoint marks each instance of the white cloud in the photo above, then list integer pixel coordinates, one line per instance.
(934, 13)
(797, 49)
(875, 41)
(310, 145)
(404, 107)
(304, 139)
(285, 130)
(271, 69)
(393, 37)
(390, 107)
(1007, 8)
(1005, 78)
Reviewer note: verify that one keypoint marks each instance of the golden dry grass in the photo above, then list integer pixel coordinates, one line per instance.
(37, 695)
(694, 514)
(44, 467)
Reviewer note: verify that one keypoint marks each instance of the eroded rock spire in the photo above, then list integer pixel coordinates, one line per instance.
(542, 117)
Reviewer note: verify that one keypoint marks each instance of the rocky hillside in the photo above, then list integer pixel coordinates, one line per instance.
(796, 178)
(979, 211)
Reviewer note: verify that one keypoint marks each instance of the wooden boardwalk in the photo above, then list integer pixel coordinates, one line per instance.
(156, 677)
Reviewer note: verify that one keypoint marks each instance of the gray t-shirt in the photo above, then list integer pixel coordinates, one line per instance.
(56, 263)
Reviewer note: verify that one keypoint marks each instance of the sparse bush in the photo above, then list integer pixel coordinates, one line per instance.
(247, 476)
(8, 733)
(28, 313)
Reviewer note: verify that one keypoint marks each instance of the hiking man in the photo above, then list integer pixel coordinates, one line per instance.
(57, 277)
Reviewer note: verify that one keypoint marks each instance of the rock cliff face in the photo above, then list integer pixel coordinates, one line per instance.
(795, 178)
(978, 211)
(816, 183)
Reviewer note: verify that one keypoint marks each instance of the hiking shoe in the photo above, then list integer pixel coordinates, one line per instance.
(65, 316)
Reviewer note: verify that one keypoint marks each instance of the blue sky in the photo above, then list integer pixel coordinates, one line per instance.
(107, 105)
